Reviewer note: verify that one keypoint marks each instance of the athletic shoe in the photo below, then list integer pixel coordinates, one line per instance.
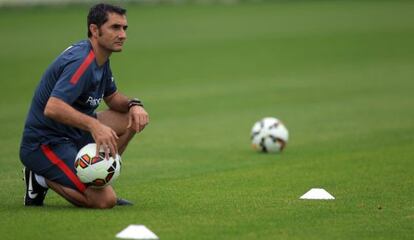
(35, 194)
(123, 202)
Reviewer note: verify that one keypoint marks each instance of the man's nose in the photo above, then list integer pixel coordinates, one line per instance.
(122, 34)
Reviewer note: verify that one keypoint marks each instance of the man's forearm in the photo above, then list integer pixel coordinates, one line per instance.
(62, 112)
(117, 102)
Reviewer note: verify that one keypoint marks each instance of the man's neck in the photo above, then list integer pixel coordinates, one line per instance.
(101, 54)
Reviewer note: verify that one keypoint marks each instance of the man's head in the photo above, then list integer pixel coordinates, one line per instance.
(107, 25)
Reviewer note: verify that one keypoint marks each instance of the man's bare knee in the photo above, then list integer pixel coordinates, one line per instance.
(115, 120)
(105, 204)
(101, 198)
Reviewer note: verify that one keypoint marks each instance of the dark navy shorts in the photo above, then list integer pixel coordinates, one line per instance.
(55, 161)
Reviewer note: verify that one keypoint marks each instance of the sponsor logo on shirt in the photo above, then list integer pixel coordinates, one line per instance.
(93, 101)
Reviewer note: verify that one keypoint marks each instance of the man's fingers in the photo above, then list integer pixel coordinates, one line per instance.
(113, 150)
(98, 146)
(106, 149)
(106, 141)
(114, 144)
(114, 135)
(129, 121)
(138, 122)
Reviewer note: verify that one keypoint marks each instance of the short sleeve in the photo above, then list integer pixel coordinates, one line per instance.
(110, 86)
(73, 79)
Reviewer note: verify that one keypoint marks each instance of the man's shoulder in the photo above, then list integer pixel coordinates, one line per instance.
(76, 52)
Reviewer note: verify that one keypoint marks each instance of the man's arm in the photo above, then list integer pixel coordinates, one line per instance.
(117, 102)
(62, 112)
(138, 117)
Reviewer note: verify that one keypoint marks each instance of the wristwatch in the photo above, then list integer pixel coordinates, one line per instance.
(134, 102)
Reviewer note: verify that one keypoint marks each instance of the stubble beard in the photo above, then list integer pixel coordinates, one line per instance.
(106, 47)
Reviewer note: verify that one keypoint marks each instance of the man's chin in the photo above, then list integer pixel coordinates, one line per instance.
(117, 48)
(113, 49)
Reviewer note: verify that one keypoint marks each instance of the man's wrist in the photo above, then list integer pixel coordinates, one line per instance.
(134, 102)
(90, 123)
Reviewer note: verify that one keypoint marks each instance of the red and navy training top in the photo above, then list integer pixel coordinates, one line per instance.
(75, 78)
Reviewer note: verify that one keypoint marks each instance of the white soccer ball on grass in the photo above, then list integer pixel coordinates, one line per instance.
(269, 135)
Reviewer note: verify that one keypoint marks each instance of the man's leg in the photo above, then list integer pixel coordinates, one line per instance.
(100, 197)
(118, 122)
(94, 198)
(55, 163)
(90, 198)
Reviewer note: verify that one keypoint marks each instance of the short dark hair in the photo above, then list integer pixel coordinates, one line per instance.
(98, 14)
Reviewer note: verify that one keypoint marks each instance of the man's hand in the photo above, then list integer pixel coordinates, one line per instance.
(103, 135)
(106, 138)
(138, 118)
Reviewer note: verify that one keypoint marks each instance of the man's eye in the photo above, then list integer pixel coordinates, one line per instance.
(119, 27)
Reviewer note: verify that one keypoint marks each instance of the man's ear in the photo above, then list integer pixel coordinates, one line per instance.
(94, 30)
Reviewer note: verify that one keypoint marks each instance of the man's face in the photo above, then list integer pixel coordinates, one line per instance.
(112, 34)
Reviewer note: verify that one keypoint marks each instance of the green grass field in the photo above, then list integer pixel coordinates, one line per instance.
(340, 74)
